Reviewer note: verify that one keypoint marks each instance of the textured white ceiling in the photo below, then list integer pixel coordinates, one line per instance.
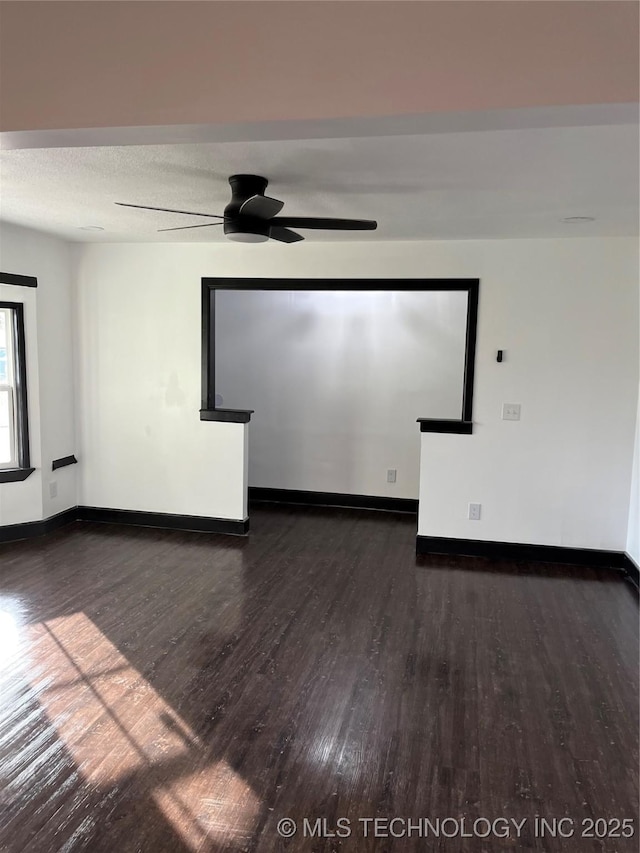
(491, 184)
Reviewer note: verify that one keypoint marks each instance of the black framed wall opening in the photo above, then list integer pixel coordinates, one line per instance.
(210, 286)
(308, 447)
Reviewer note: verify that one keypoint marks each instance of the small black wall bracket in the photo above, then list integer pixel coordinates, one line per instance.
(61, 463)
(499, 355)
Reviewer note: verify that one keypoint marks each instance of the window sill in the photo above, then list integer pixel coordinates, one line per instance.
(14, 475)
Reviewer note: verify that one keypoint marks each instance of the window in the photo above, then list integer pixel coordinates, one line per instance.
(8, 449)
(14, 432)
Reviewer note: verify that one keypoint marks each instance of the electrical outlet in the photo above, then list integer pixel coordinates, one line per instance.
(511, 411)
(391, 475)
(474, 512)
(53, 489)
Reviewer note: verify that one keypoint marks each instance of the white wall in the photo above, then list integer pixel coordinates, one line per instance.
(565, 312)
(337, 381)
(633, 532)
(48, 331)
(138, 374)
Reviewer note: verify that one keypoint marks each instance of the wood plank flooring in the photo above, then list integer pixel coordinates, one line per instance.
(166, 691)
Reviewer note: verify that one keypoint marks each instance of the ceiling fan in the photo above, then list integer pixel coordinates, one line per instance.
(252, 217)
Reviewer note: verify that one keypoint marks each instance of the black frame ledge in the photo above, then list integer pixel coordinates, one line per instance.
(434, 425)
(230, 416)
(15, 475)
(18, 280)
(63, 462)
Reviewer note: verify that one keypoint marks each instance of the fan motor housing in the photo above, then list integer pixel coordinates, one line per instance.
(244, 186)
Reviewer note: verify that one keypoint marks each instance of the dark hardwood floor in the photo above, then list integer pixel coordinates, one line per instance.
(166, 691)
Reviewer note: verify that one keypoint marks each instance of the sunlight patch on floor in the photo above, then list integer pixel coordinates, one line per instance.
(116, 725)
(214, 803)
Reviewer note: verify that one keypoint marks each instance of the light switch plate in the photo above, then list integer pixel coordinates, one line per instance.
(511, 411)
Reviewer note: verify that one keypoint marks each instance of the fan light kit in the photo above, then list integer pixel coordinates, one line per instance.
(246, 237)
(252, 217)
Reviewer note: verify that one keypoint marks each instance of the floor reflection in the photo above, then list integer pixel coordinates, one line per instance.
(9, 637)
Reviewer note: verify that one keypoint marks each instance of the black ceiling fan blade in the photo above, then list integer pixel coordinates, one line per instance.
(169, 210)
(283, 235)
(331, 224)
(185, 227)
(261, 206)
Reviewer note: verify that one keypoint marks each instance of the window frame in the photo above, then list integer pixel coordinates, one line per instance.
(8, 388)
(20, 467)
